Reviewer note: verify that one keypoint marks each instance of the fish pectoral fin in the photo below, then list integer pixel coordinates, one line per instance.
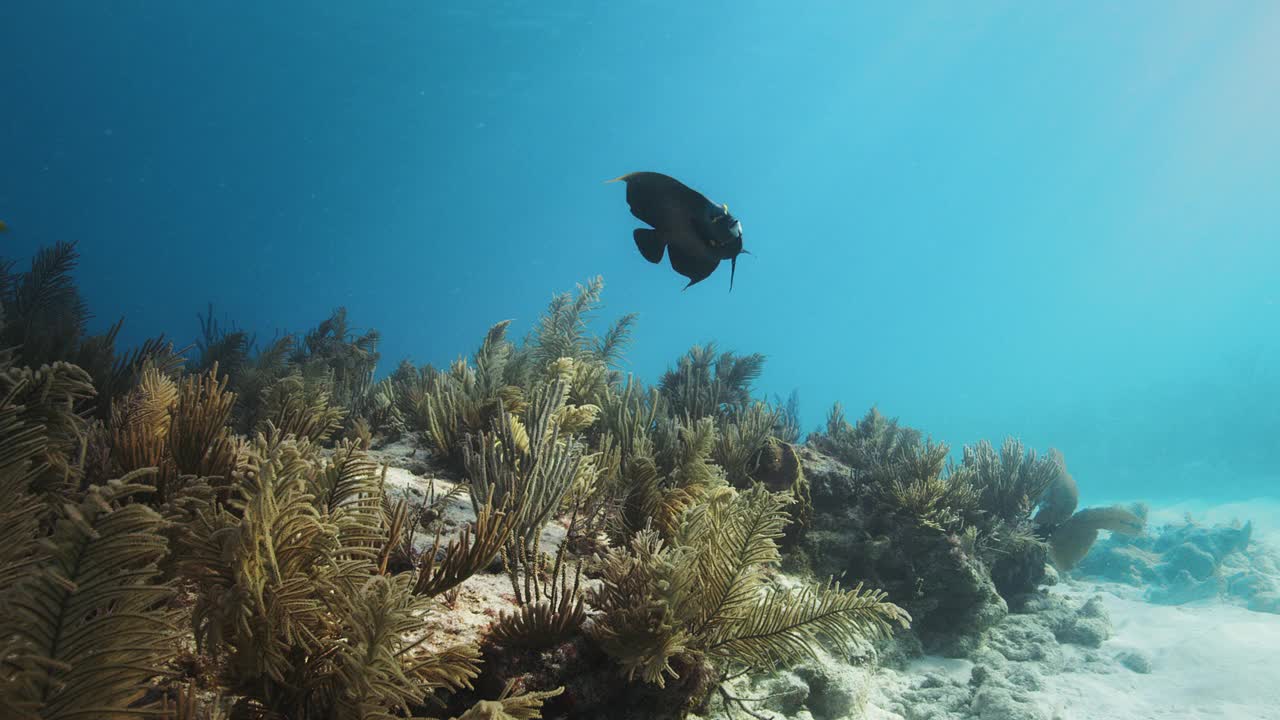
(695, 268)
(650, 243)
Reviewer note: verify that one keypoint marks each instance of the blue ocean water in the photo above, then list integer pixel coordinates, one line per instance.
(1049, 220)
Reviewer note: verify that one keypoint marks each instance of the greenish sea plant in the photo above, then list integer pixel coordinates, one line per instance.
(741, 439)
(563, 331)
(44, 320)
(919, 488)
(707, 383)
(290, 603)
(1010, 483)
(86, 625)
(875, 441)
(702, 597)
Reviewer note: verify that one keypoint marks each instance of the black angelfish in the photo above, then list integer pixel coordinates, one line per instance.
(695, 232)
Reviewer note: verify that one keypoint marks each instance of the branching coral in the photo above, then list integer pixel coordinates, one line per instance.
(914, 486)
(533, 465)
(1009, 484)
(45, 321)
(290, 600)
(218, 346)
(45, 316)
(551, 607)
(741, 440)
(874, 441)
(787, 427)
(399, 402)
(917, 488)
(705, 383)
(200, 438)
(630, 413)
(86, 627)
(180, 431)
(508, 707)
(23, 446)
(249, 376)
(551, 604)
(704, 594)
(325, 375)
(563, 331)
(349, 359)
(298, 407)
(665, 476)
(376, 671)
(466, 400)
(47, 398)
(477, 546)
(140, 425)
(308, 597)
(113, 375)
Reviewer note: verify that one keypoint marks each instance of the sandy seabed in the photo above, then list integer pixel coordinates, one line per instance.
(1209, 659)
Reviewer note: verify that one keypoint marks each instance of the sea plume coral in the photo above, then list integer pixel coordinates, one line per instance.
(704, 595)
(290, 602)
(86, 627)
(874, 441)
(707, 383)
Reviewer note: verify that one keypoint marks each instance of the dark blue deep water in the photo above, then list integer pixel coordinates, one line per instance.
(1051, 220)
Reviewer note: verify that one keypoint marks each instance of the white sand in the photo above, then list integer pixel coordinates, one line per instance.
(1208, 660)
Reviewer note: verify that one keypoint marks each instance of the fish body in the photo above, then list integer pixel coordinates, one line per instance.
(694, 233)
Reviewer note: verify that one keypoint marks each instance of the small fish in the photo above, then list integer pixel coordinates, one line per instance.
(695, 233)
(3, 226)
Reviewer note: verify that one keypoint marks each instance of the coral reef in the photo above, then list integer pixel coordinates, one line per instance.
(1186, 562)
(905, 523)
(270, 532)
(224, 536)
